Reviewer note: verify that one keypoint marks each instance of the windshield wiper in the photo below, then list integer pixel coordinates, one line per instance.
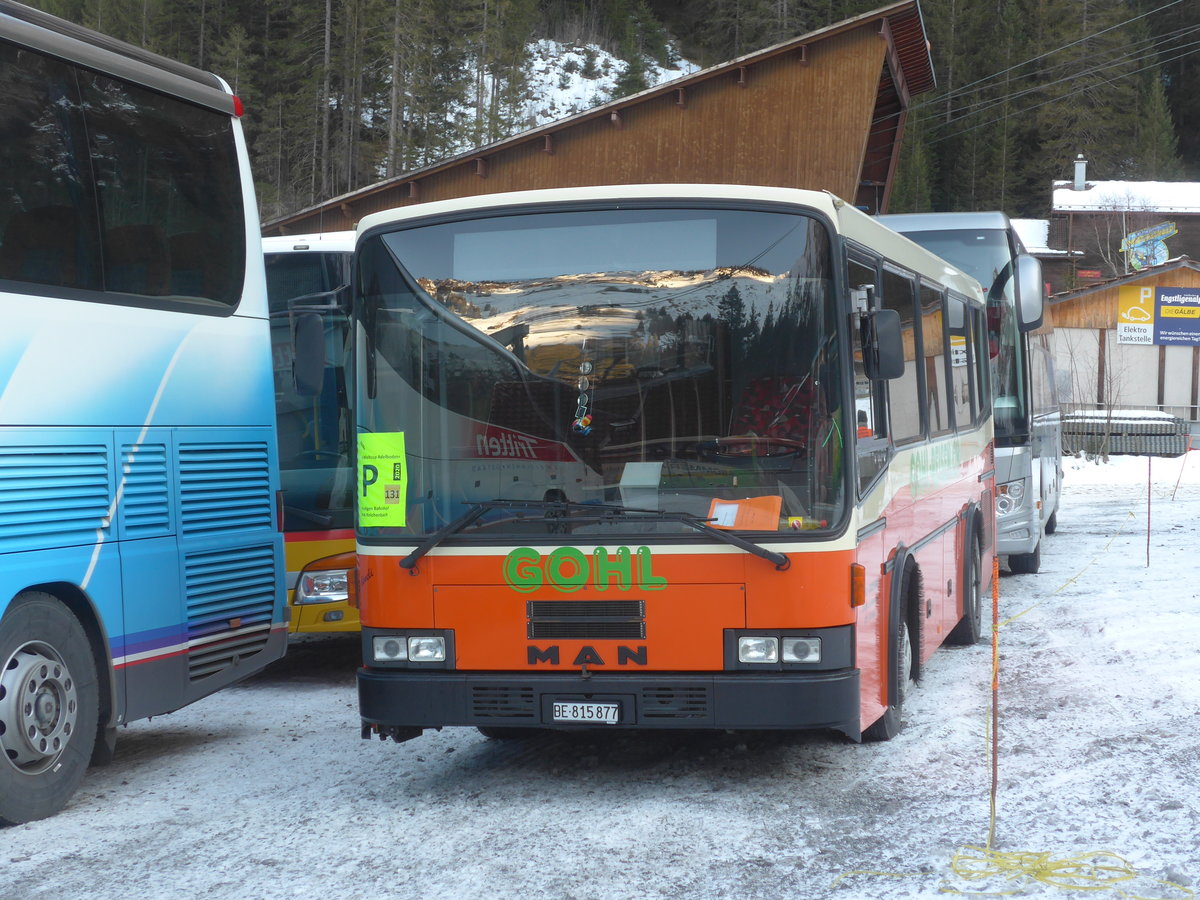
(476, 510)
(597, 512)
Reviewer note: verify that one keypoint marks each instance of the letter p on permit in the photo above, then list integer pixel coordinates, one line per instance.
(370, 475)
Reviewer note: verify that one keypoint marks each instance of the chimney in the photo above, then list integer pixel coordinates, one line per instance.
(1080, 173)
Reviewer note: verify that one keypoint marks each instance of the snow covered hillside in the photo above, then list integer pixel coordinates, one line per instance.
(566, 79)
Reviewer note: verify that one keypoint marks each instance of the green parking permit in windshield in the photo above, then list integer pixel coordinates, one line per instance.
(382, 480)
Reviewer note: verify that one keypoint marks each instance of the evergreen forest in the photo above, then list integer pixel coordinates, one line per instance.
(342, 93)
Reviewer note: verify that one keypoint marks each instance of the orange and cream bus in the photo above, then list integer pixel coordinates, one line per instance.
(662, 456)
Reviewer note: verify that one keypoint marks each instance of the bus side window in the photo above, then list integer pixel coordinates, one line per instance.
(962, 384)
(48, 233)
(939, 389)
(163, 170)
(905, 406)
(981, 365)
(870, 398)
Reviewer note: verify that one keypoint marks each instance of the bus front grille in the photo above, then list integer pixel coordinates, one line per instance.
(676, 702)
(590, 619)
(503, 702)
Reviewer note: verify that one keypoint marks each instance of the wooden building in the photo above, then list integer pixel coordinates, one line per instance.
(823, 111)
(1099, 367)
(1109, 229)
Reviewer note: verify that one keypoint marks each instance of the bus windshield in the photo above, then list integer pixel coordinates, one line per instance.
(987, 257)
(314, 425)
(676, 362)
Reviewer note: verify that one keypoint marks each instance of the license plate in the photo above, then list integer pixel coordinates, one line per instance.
(579, 711)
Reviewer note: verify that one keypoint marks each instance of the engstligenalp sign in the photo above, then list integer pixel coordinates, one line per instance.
(1177, 319)
(1162, 315)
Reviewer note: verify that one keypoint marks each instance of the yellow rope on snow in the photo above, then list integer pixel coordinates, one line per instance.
(1095, 871)
(1099, 870)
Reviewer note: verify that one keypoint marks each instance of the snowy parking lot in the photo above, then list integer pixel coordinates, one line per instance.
(266, 790)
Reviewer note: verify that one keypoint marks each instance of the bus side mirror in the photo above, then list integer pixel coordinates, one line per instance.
(1030, 293)
(308, 357)
(883, 344)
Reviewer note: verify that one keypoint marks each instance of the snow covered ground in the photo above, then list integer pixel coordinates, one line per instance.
(266, 790)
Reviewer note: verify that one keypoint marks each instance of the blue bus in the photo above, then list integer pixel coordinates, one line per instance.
(141, 561)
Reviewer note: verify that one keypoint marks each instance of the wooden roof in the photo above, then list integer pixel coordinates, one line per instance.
(822, 111)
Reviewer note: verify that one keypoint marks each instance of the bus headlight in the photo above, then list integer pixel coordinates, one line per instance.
(323, 586)
(758, 649)
(427, 648)
(409, 649)
(1010, 497)
(801, 649)
(389, 648)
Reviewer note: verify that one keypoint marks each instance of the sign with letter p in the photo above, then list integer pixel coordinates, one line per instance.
(382, 480)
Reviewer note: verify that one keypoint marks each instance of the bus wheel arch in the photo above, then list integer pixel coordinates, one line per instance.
(903, 649)
(49, 706)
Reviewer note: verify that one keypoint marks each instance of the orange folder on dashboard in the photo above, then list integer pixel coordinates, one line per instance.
(751, 514)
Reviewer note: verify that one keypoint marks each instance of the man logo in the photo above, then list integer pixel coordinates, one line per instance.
(587, 656)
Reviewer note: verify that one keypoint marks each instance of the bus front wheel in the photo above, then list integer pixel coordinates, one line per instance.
(1026, 563)
(901, 656)
(48, 707)
(970, 626)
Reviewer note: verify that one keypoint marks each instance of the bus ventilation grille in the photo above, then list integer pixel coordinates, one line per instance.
(676, 702)
(593, 619)
(224, 487)
(146, 505)
(230, 606)
(503, 702)
(53, 494)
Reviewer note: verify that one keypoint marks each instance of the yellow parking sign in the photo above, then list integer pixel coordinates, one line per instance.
(382, 480)
(1135, 315)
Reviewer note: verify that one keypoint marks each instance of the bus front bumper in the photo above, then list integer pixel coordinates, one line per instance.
(1018, 532)
(402, 703)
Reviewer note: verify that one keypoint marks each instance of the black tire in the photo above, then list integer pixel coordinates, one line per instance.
(970, 626)
(1026, 563)
(1052, 523)
(901, 654)
(48, 707)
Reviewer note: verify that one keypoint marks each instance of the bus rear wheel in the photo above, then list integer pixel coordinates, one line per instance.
(48, 707)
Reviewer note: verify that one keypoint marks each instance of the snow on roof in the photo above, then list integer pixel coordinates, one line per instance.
(1035, 235)
(1145, 196)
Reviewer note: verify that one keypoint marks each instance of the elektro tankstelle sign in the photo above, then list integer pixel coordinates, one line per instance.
(1158, 315)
